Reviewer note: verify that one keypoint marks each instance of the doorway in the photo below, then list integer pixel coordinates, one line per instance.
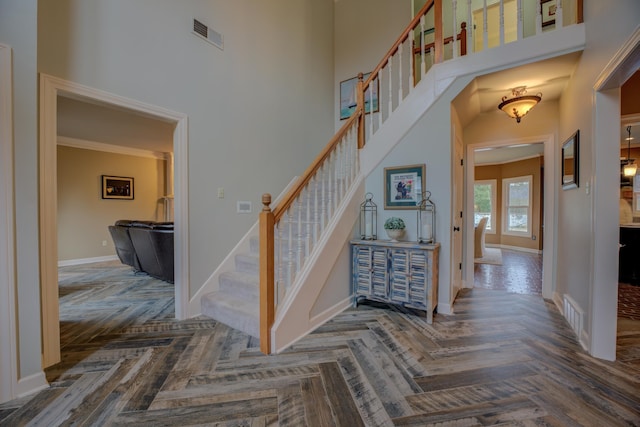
(50, 89)
(546, 198)
(508, 212)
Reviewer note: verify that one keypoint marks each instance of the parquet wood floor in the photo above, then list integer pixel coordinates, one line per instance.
(502, 359)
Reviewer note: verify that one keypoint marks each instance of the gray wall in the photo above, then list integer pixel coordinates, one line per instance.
(259, 111)
(17, 23)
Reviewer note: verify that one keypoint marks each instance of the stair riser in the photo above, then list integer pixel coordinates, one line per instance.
(224, 312)
(243, 289)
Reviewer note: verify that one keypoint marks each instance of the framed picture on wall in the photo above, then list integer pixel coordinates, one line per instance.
(348, 96)
(571, 161)
(403, 186)
(548, 12)
(117, 187)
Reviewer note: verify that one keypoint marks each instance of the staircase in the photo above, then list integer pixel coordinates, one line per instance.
(270, 289)
(235, 303)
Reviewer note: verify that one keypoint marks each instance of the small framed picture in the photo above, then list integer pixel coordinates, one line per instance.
(348, 96)
(548, 12)
(403, 186)
(117, 187)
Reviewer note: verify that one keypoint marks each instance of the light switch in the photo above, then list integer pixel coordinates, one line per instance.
(220, 193)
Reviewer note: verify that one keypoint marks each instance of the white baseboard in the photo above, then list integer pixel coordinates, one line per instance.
(445, 308)
(515, 248)
(31, 384)
(81, 261)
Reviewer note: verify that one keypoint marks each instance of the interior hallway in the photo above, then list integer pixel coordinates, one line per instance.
(503, 358)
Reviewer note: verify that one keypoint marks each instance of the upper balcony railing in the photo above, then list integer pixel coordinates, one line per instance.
(289, 233)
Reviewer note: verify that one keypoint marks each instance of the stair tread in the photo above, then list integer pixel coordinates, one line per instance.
(236, 312)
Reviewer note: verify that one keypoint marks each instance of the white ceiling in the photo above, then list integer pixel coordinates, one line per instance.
(93, 122)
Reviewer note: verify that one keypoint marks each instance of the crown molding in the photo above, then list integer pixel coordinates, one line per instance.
(109, 148)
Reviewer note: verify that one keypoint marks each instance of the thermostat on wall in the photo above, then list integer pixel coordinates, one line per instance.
(243, 207)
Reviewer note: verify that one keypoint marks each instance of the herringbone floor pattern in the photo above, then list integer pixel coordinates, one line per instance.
(502, 359)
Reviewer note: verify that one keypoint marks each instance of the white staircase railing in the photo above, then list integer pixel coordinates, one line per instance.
(290, 232)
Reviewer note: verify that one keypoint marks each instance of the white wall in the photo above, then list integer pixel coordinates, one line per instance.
(428, 142)
(607, 25)
(259, 111)
(364, 32)
(17, 23)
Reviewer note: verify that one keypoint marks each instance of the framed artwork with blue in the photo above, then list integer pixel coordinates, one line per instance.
(403, 186)
(348, 96)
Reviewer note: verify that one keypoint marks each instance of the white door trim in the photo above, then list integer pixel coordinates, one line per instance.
(50, 88)
(550, 214)
(605, 162)
(8, 331)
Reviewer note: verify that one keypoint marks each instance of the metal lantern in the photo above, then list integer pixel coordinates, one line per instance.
(368, 218)
(426, 219)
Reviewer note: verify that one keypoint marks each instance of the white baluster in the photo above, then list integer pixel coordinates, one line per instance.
(501, 22)
(299, 239)
(308, 236)
(330, 182)
(390, 67)
(316, 215)
(323, 217)
(290, 243)
(412, 74)
(400, 85)
(379, 85)
(370, 89)
(485, 30)
(336, 188)
(469, 28)
(520, 18)
(423, 65)
(539, 18)
(559, 22)
(454, 5)
(341, 181)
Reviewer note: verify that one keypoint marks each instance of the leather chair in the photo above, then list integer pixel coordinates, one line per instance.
(122, 242)
(153, 243)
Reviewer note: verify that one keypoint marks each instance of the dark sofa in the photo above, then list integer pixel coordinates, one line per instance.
(146, 246)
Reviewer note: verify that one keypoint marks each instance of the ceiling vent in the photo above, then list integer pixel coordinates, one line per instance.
(212, 36)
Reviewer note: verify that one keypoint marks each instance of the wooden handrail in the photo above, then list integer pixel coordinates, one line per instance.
(288, 199)
(412, 25)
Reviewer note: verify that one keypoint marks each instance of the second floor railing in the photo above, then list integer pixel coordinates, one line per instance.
(290, 232)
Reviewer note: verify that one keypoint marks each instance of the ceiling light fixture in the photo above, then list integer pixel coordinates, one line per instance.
(630, 166)
(518, 106)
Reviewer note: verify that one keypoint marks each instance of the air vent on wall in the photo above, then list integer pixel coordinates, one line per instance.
(212, 36)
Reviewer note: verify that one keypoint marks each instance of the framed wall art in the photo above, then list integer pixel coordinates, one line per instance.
(348, 96)
(548, 12)
(117, 187)
(571, 161)
(403, 186)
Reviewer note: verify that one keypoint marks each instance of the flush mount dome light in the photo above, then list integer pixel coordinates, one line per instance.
(518, 106)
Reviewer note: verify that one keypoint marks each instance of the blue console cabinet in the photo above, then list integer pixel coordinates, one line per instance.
(404, 273)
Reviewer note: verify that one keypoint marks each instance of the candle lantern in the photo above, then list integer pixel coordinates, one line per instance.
(426, 219)
(368, 218)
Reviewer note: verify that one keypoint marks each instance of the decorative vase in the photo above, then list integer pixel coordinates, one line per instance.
(395, 234)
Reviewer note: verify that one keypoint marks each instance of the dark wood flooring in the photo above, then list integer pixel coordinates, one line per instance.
(502, 359)
(520, 272)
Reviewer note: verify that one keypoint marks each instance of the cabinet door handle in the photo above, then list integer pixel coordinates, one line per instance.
(456, 228)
